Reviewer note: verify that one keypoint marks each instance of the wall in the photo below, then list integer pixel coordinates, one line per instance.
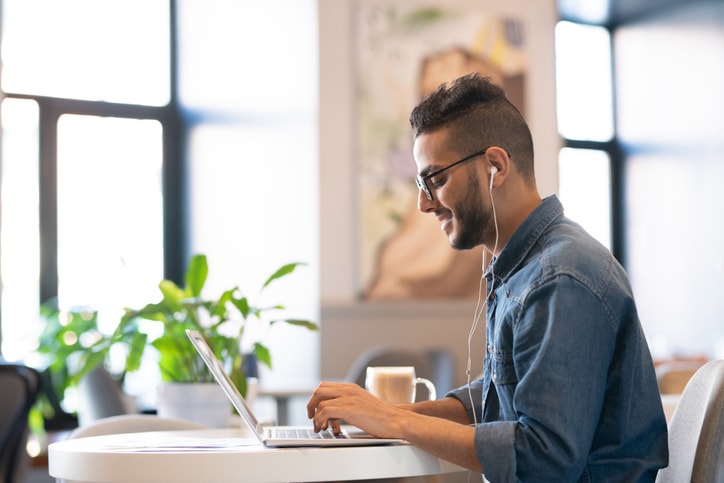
(348, 325)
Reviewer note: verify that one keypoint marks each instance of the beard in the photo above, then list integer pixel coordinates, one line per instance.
(471, 218)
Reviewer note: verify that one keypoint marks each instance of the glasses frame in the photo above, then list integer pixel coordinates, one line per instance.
(422, 180)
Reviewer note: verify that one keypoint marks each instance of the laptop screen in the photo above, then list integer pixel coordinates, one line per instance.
(225, 382)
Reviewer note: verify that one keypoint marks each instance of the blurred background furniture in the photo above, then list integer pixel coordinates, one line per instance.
(674, 374)
(131, 423)
(696, 431)
(435, 365)
(100, 396)
(19, 387)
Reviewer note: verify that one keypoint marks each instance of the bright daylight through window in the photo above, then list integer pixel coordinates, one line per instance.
(585, 112)
(109, 203)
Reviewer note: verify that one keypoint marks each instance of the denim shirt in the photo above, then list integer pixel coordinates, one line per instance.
(568, 391)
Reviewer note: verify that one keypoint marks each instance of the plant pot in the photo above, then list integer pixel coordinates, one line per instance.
(204, 403)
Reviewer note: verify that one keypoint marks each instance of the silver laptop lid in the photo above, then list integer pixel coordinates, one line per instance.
(245, 411)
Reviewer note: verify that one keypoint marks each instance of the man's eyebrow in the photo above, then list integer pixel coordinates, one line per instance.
(428, 169)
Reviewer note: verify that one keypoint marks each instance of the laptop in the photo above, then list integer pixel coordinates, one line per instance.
(278, 436)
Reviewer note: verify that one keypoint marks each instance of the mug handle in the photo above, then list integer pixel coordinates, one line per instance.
(432, 394)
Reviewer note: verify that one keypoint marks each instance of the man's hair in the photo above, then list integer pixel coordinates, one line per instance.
(478, 115)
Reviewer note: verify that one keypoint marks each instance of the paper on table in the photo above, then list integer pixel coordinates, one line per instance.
(161, 444)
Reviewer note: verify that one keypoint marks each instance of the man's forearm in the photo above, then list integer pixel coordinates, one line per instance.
(446, 408)
(445, 435)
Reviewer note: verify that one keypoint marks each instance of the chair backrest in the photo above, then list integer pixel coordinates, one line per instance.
(434, 365)
(19, 387)
(696, 452)
(131, 423)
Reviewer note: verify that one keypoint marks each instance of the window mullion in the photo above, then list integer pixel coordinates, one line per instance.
(48, 198)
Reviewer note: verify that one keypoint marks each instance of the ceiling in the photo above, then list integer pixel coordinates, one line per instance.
(610, 12)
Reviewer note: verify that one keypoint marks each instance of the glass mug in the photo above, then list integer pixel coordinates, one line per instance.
(396, 384)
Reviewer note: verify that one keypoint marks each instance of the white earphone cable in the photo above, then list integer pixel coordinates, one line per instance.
(482, 305)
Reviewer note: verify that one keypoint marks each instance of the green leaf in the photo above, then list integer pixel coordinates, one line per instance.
(242, 305)
(262, 354)
(284, 270)
(219, 308)
(239, 379)
(196, 275)
(298, 322)
(173, 295)
(137, 347)
(90, 361)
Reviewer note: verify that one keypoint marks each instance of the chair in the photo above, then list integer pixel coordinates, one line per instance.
(696, 452)
(434, 365)
(19, 387)
(130, 423)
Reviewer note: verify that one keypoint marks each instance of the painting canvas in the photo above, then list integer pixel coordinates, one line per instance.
(405, 50)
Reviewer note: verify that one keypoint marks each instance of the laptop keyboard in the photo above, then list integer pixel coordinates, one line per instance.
(300, 433)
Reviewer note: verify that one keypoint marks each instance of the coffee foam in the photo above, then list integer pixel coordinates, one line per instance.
(392, 384)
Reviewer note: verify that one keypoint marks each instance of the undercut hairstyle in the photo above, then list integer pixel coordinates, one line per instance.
(477, 115)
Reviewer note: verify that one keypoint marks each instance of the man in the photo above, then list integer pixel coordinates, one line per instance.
(568, 391)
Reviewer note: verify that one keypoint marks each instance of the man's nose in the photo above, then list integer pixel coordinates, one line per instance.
(423, 204)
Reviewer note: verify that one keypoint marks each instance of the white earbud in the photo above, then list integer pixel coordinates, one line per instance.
(493, 170)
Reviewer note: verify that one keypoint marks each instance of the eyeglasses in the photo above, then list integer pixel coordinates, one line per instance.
(422, 180)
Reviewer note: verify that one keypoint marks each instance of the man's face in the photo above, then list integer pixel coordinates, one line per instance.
(457, 199)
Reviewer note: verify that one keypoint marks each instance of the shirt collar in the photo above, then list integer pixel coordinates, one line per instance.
(526, 236)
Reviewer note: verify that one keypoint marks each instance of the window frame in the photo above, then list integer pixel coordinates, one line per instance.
(616, 164)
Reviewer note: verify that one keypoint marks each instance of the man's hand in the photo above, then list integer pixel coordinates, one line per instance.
(440, 427)
(332, 402)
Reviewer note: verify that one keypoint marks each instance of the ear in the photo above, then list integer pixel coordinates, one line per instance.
(500, 165)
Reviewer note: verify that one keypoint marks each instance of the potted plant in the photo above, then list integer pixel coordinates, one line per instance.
(222, 321)
(66, 336)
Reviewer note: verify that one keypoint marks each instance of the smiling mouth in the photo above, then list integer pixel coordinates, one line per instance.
(445, 219)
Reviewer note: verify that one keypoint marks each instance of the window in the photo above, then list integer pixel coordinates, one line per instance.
(123, 153)
(115, 50)
(109, 208)
(664, 159)
(671, 127)
(585, 120)
(20, 219)
(585, 190)
(85, 119)
(583, 82)
(249, 89)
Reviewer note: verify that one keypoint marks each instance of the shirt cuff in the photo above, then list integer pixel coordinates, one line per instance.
(495, 448)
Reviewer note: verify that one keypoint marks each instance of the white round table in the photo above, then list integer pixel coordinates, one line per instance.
(229, 455)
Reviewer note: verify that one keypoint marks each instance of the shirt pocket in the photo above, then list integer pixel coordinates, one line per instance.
(502, 368)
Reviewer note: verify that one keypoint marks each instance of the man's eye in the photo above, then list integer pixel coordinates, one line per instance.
(438, 181)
